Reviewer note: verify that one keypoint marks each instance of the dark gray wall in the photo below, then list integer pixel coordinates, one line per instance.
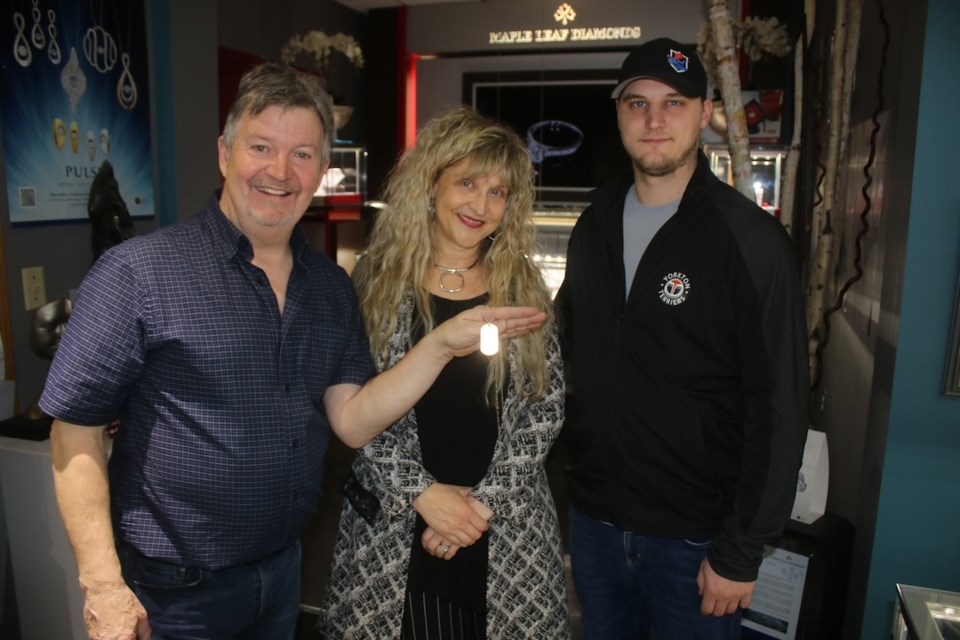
(190, 134)
(257, 27)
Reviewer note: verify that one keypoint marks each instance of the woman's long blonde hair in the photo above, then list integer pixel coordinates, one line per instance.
(399, 250)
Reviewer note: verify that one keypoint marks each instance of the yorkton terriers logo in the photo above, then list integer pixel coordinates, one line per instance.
(675, 288)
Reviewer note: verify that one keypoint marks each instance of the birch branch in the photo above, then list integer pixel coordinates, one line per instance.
(737, 137)
(788, 196)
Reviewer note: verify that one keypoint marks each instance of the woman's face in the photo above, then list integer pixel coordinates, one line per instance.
(468, 208)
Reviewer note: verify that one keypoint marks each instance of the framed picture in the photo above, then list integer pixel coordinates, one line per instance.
(951, 383)
(74, 91)
(568, 120)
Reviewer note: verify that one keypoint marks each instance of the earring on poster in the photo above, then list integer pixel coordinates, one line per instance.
(489, 335)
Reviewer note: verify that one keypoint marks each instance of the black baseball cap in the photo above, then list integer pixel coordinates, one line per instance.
(668, 61)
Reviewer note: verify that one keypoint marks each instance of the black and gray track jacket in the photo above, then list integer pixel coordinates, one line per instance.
(689, 398)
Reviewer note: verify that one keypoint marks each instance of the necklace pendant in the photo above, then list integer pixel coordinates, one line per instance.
(452, 274)
(489, 339)
(73, 80)
(447, 272)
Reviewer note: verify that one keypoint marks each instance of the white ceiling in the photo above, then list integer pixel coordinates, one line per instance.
(365, 5)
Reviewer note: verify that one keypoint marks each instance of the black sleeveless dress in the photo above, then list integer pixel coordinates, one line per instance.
(458, 432)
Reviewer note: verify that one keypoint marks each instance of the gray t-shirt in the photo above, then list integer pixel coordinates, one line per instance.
(640, 224)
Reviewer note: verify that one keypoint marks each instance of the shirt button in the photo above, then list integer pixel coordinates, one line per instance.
(296, 443)
(286, 387)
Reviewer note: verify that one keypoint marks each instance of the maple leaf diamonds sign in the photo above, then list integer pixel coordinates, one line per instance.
(564, 31)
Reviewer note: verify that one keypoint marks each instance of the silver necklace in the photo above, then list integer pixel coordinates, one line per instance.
(449, 272)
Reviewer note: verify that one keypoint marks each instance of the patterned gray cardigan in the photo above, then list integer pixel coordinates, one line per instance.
(526, 588)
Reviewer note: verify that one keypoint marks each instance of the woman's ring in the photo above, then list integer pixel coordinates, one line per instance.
(444, 548)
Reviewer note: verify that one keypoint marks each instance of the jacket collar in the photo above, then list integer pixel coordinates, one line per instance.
(608, 200)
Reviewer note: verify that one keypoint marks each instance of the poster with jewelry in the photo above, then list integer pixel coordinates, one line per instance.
(73, 93)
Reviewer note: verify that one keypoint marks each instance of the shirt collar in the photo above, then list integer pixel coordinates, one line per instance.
(230, 241)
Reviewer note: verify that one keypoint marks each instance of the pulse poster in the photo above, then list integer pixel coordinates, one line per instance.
(73, 92)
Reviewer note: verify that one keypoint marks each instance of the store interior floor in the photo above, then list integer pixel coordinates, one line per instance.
(319, 537)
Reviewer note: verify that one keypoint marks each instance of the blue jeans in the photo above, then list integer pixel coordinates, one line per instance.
(634, 587)
(251, 601)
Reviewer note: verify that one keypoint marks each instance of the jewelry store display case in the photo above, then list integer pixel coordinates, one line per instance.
(926, 614)
(553, 232)
(767, 165)
(347, 175)
(334, 215)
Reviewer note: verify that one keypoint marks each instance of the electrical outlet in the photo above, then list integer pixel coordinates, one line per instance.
(34, 288)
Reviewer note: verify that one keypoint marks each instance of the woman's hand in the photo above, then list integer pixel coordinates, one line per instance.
(482, 510)
(446, 509)
(460, 335)
(359, 414)
(436, 545)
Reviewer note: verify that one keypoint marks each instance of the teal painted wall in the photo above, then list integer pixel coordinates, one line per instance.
(166, 179)
(918, 522)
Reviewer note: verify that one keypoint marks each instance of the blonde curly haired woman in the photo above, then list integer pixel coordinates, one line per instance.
(449, 529)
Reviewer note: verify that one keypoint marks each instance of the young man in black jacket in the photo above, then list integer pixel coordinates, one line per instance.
(686, 343)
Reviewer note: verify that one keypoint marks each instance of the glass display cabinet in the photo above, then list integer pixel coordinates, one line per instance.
(333, 220)
(767, 167)
(926, 614)
(553, 232)
(347, 175)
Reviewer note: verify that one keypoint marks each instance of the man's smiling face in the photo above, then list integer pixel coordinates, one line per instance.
(272, 168)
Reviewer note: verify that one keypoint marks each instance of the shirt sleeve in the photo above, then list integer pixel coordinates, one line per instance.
(356, 364)
(776, 387)
(102, 351)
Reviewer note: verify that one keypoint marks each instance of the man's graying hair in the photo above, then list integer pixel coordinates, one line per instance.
(271, 84)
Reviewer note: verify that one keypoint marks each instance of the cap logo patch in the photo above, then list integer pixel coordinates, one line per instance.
(674, 289)
(678, 61)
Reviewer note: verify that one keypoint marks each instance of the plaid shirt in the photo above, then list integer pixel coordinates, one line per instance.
(219, 455)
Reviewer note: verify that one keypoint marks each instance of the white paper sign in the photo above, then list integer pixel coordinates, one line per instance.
(811, 500)
(775, 606)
